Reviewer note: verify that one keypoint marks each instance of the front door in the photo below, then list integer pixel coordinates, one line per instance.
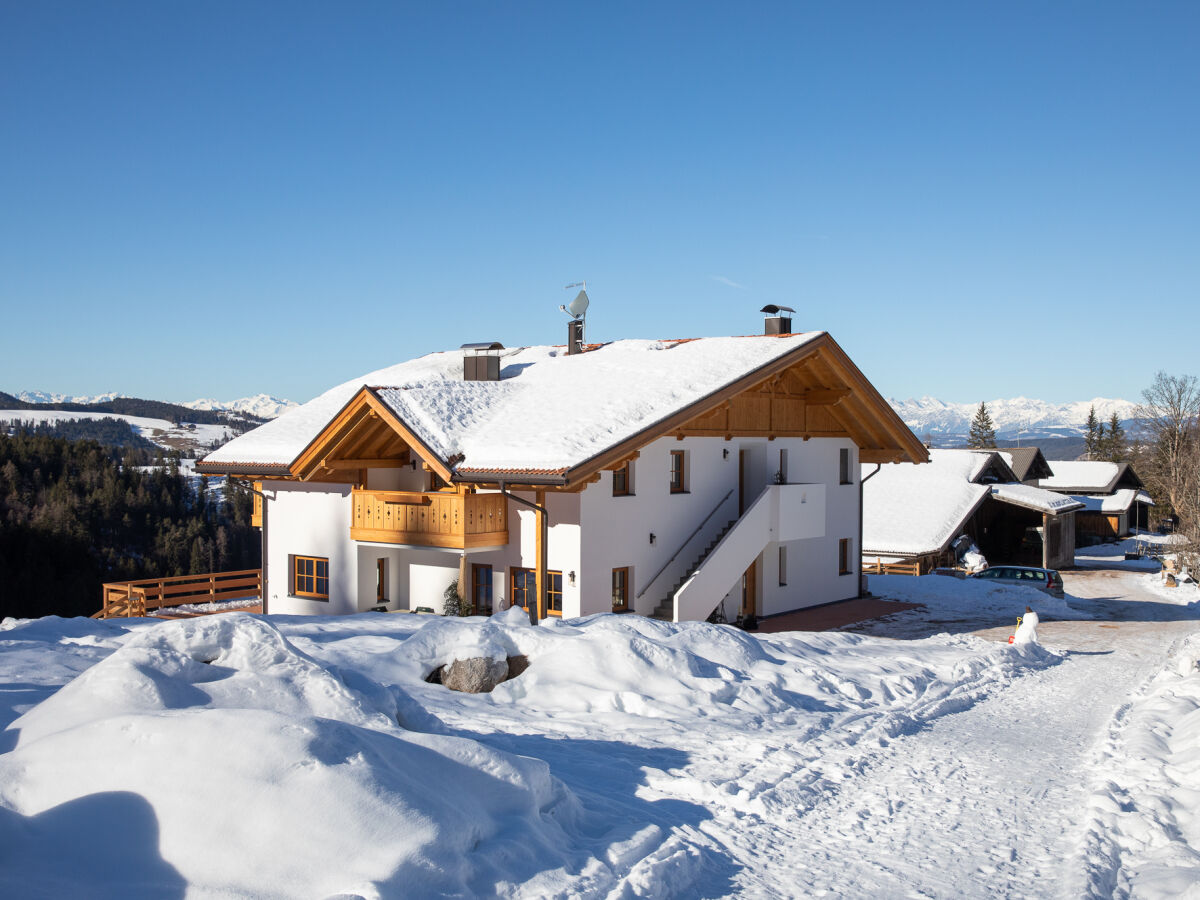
(750, 590)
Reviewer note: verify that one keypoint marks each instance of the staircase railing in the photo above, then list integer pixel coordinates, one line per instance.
(682, 547)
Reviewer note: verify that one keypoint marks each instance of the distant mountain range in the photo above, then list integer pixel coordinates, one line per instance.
(1020, 420)
(260, 405)
(1028, 421)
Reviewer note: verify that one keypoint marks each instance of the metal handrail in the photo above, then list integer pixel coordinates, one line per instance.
(688, 540)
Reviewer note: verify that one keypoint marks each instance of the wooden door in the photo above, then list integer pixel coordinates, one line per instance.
(750, 590)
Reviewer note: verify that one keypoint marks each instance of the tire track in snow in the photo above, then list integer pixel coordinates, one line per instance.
(985, 802)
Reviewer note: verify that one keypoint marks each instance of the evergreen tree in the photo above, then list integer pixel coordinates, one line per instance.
(983, 431)
(1115, 447)
(1095, 434)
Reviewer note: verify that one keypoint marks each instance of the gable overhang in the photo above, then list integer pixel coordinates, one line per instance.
(364, 419)
(270, 470)
(835, 385)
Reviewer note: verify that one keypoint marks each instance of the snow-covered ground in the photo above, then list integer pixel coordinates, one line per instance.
(241, 755)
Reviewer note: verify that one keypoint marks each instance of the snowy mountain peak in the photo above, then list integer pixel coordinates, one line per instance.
(44, 397)
(1019, 416)
(261, 405)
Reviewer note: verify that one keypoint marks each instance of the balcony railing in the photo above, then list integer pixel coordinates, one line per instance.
(437, 519)
(151, 596)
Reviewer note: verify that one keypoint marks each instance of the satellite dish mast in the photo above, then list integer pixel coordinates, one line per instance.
(577, 310)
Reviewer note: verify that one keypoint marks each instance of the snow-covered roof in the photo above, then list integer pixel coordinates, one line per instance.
(1035, 498)
(549, 411)
(911, 510)
(1081, 475)
(1117, 502)
(1026, 462)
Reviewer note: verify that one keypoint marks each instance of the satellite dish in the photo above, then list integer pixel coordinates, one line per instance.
(578, 306)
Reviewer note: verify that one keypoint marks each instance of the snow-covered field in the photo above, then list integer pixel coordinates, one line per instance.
(158, 431)
(239, 755)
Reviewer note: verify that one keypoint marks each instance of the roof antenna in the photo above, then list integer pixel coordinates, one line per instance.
(577, 310)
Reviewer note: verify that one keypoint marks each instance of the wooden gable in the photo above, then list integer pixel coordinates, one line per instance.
(366, 434)
(821, 395)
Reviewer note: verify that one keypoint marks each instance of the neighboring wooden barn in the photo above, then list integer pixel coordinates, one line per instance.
(1112, 497)
(919, 513)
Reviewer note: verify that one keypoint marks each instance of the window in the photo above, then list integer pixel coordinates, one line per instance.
(623, 480)
(524, 590)
(380, 581)
(481, 589)
(554, 593)
(310, 577)
(782, 565)
(781, 476)
(844, 556)
(524, 587)
(620, 589)
(844, 467)
(678, 483)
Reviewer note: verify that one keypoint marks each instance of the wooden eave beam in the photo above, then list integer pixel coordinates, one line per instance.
(908, 443)
(366, 463)
(623, 462)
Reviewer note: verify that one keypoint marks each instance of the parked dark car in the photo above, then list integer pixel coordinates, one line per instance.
(1047, 580)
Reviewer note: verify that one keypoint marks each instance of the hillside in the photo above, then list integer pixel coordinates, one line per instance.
(192, 429)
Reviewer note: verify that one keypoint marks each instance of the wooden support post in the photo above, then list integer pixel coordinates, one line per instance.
(540, 582)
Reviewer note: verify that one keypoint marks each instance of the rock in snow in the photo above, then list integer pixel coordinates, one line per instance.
(474, 676)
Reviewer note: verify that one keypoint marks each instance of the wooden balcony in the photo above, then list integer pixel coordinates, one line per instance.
(438, 519)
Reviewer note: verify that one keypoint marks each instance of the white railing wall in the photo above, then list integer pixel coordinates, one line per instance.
(783, 512)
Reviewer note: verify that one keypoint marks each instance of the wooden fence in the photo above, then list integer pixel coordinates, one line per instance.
(897, 568)
(138, 598)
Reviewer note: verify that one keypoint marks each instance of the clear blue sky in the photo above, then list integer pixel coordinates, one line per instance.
(217, 199)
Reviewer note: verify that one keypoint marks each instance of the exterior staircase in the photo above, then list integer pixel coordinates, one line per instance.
(666, 608)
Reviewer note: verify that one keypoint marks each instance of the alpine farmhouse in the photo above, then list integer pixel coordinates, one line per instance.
(655, 477)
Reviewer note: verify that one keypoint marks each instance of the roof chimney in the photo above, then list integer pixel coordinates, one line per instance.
(578, 312)
(481, 361)
(776, 322)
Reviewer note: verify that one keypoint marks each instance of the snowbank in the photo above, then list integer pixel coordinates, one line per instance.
(290, 756)
(1144, 810)
(262, 772)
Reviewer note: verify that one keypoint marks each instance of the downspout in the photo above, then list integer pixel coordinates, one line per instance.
(861, 482)
(541, 556)
(229, 480)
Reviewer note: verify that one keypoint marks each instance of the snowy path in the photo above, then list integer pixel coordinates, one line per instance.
(632, 759)
(993, 796)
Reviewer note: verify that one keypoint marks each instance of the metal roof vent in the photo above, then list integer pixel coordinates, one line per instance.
(775, 323)
(481, 361)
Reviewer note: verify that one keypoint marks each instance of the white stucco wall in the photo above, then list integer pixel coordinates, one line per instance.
(310, 520)
(314, 520)
(616, 530)
(562, 548)
(590, 534)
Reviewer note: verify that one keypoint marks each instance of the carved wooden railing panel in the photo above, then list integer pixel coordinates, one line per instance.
(435, 519)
